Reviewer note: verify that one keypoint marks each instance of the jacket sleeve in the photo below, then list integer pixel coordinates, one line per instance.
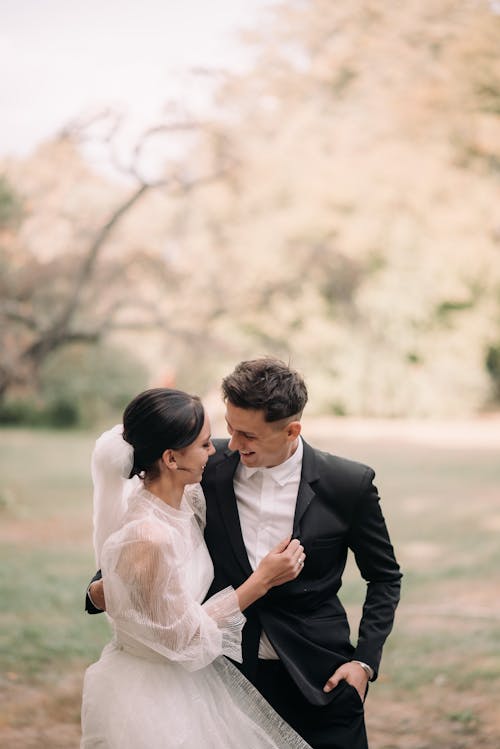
(374, 554)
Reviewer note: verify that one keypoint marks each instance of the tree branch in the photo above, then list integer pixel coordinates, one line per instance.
(91, 258)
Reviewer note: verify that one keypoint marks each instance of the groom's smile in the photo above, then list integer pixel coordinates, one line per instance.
(260, 443)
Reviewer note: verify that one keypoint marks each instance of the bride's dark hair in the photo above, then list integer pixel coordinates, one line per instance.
(157, 420)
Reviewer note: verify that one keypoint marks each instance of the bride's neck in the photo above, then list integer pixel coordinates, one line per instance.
(165, 489)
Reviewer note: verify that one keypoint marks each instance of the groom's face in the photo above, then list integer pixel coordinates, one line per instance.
(260, 443)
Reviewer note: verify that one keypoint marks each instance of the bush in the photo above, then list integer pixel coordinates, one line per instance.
(62, 414)
(79, 386)
(84, 385)
(20, 412)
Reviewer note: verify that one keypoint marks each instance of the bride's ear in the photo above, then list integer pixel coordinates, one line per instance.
(168, 460)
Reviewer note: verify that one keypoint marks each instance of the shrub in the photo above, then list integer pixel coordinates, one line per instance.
(79, 386)
(84, 385)
(20, 412)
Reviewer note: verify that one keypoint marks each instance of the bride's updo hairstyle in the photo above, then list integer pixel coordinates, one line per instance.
(157, 420)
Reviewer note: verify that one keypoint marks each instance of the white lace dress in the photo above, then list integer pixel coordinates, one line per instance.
(162, 681)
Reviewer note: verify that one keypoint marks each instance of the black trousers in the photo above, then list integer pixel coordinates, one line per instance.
(338, 725)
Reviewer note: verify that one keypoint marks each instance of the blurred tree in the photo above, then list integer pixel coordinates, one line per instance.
(349, 218)
(493, 367)
(361, 235)
(71, 274)
(10, 205)
(50, 302)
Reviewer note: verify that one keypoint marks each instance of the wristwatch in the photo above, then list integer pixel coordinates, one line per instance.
(366, 668)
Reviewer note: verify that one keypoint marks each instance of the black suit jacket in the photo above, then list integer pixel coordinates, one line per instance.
(337, 509)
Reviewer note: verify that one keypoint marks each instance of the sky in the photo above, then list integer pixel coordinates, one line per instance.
(61, 59)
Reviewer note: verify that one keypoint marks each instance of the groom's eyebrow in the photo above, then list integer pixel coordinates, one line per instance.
(241, 431)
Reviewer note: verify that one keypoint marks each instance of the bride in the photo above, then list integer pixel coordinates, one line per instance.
(163, 681)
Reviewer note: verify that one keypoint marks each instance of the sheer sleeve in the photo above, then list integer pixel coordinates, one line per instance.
(148, 600)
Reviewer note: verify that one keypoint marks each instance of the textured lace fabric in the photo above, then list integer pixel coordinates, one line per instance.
(156, 570)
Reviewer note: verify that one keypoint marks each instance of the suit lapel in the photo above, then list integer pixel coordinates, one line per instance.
(229, 509)
(305, 493)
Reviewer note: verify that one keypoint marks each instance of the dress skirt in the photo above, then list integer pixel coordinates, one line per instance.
(132, 702)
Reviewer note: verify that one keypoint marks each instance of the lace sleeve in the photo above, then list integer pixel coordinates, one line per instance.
(146, 598)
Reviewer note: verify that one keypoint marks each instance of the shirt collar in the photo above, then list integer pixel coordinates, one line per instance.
(281, 473)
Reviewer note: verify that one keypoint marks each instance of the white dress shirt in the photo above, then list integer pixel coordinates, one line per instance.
(266, 499)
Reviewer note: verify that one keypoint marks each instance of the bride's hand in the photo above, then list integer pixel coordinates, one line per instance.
(282, 564)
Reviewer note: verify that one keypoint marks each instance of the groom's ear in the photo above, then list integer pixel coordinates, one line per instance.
(293, 430)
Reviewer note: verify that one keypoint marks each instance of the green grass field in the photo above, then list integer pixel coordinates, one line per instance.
(46, 553)
(441, 668)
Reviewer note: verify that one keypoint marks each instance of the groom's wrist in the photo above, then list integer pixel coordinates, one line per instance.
(366, 668)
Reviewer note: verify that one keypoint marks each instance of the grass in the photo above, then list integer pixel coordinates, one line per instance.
(46, 554)
(43, 625)
(441, 665)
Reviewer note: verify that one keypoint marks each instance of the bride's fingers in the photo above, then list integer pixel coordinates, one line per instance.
(297, 552)
(300, 561)
(293, 547)
(293, 566)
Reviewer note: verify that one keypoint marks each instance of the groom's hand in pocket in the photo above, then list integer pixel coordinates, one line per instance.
(354, 674)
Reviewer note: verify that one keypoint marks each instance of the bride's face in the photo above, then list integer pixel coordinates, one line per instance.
(191, 460)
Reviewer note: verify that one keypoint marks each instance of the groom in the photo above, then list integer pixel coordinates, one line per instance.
(263, 485)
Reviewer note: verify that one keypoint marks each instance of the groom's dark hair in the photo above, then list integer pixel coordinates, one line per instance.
(266, 384)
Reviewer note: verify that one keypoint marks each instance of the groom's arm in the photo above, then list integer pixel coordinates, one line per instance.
(374, 554)
(95, 595)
